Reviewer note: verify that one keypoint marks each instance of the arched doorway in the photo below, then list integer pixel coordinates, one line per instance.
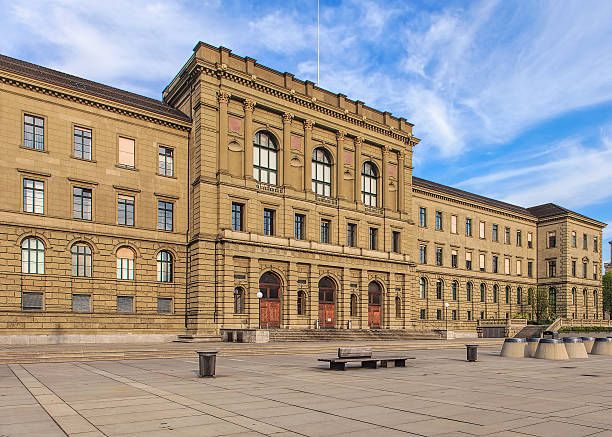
(327, 289)
(374, 304)
(269, 303)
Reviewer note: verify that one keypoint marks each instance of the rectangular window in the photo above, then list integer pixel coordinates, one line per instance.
(454, 313)
(351, 234)
(373, 238)
(237, 216)
(82, 143)
(164, 305)
(468, 227)
(574, 239)
(519, 238)
(482, 229)
(299, 226)
(325, 225)
(552, 269)
(165, 161)
(81, 203)
(584, 269)
(507, 235)
(530, 269)
(125, 304)
(454, 258)
(454, 224)
(395, 241)
(552, 239)
(482, 262)
(595, 271)
(438, 256)
(574, 268)
(268, 221)
(126, 152)
(422, 314)
(438, 314)
(468, 260)
(584, 242)
(31, 301)
(422, 217)
(495, 235)
(438, 220)
(529, 240)
(33, 132)
(439, 290)
(519, 267)
(423, 254)
(595, 244)
(165, 211)
(482, 315)
(507, 266)
(469, 315)
(494, 263)
(81, 303)
(125, 210)
(33, 196)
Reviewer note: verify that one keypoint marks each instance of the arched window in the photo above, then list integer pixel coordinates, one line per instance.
(353, 309)
(530, 296)
(595, 298)
(438, 289)
(301, 303)
(125, 263)
(574, 296)
(483, 289)
(81, 260)
(326, 290)
(32, 256)
(508, 297)
(374, 293)
(585, 298)
(369, 181)
(164, 266)
(552, 296)
(454, 290)
(422, 288)
(495, 290)
(468, 291)
(519, 297)
(264, 158)
(398, 307)
(269, 285)
(321, 172)
(238, 300)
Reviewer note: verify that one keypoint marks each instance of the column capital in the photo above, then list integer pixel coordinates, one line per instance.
(358, 141)
(401, 154)
(309, 124)
(223, 97)
(287, 117)
(249, 105)
(340, 135)
(385, 150)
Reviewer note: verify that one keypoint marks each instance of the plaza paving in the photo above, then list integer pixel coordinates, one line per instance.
(266, 393)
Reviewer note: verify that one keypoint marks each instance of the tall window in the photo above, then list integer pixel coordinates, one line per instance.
(127, 152)
(584, 269)
(438, 289)
(299, 226)
(574, 268)
(325, 225)
(353, 309)
(439, 220)
(164, 215)
(82, 143)
(454, 290)
(321, 172)
(529, 240)
(468, 260)
(482, 229)
(33, 196)
(585, 243)
(351, 234)
(454, 224)
(422, 217)
(369, 181)
(301, 303)
(125, 210)
(268, 221)
(237, 216)
(482, 262)
(468, 227)
(468, 291)
(239, 300)
(33, 132)
(507, 235)
(423, 254)
(495, 293)
(398, 307)
(125, 263)
(495, 236)
(165, 157)
(164, 266)
(438, 256)
(264, 158)
(81, 260)
(507, 294)
(595, 244)
(373, 238)
(507, 266)
(483, 289)
(422, 288)
(552, 239)
(494, 263)
(454, 258)
(519, 267)
(519, 296)
(32, 256)
(519, 238)
(530, 268)
(395, 241)
(552, 268)
(573, 238)
(81, 203)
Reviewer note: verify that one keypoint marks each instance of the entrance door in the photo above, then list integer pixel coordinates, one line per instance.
(374, 301)
(269, 304)
(326, 303)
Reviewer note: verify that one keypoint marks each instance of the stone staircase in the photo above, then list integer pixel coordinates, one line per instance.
(197, 338)
(531, 331)
(303, 335)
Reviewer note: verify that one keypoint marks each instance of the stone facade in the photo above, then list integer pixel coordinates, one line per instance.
(335, 243)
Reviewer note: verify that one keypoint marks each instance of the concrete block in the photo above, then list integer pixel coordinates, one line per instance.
(588, 343)
(551, 349)
(532, 346)
(575, 347)
(514, 348)
(602, 346)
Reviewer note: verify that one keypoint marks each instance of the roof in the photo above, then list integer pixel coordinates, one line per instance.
(54, 77)
(552, 209)
(423, 183)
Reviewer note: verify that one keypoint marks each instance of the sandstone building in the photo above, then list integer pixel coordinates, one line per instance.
(249, 198)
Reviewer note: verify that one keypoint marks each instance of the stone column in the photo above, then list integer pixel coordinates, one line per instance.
(401, 189)
(286, 149)
(384, 189)
(290, 296)
(249, 106)
(222, 158)
(339, 164)
(357, 186)
(308, 124)
(251, 300)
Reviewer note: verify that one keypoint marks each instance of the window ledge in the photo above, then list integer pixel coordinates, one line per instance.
(165, 176)
(126, 167)
(33, 149)
(83, 159)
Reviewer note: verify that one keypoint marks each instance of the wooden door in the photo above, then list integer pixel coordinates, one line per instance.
(326, 315)
(374, 316)
(374, 303)
(269, 313)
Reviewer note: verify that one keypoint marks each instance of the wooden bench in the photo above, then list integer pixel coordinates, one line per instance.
(364, 356)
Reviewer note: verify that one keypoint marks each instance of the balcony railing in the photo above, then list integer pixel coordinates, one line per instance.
(262, 186)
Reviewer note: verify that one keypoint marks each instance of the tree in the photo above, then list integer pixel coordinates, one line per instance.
(607, 293)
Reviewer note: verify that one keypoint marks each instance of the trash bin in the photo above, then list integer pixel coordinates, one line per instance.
(552, 334)
(472, 352)
(207, 361)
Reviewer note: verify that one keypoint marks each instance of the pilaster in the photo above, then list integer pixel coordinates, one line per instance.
(340, 164)
(286, 149)
(308, 124)
(222, 153)
(249, 106)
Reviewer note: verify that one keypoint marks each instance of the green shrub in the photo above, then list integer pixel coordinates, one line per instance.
(586, 329)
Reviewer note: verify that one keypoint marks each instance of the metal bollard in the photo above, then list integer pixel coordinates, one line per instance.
(207, 361)
(472, 352)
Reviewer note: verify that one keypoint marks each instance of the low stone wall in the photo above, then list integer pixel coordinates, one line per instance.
(86, 338)
(585, 334)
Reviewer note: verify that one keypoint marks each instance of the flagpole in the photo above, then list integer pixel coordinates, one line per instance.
(318, 44)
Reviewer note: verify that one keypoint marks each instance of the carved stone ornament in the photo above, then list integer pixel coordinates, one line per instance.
(287, 117)
(295, 162)
(340, 135)
(234, 146)
(249, 105)
(223, 97)
(308, 124)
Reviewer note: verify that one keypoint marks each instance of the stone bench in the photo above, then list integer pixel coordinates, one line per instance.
(363, 356)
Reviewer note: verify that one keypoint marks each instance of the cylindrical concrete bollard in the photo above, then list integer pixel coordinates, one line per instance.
(575, 347)
(514, 348)
(588, 343)
(207, 361)
(532, 346)
(551, 349)
(472, 352)
(602, 346)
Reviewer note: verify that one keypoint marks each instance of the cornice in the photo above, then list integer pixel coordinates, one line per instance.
(25, 83)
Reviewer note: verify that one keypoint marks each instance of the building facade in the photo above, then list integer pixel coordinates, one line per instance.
(249, 198)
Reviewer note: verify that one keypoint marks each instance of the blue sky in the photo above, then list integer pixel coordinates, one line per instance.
(512, 99)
